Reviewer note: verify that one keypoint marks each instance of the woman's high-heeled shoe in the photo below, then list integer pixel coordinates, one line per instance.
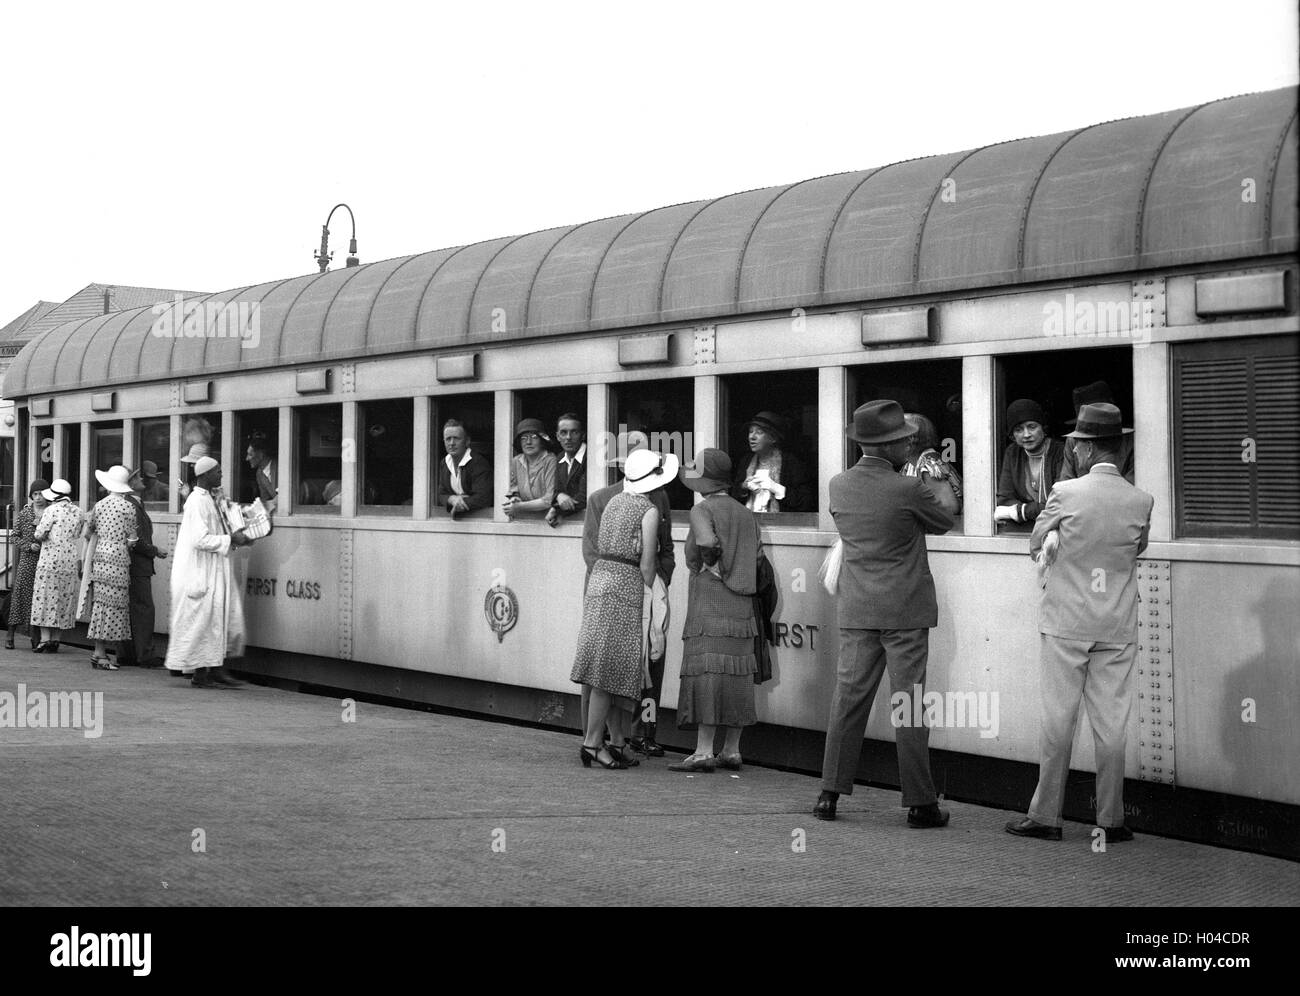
(589, 754)
(41, 647)
(620, 752)
(9, 643)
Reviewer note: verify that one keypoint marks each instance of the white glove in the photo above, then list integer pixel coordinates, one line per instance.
(1051, 545)
(1005, 513)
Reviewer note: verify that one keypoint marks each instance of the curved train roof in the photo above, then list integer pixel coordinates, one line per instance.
(1139, 193)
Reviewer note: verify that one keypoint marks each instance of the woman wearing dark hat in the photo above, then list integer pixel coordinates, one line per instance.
(771, 478)
(532, 471)
(718, 660)
(611, 659)
(24, 537)
(54, 591)
(112, 523)
(1030, 465)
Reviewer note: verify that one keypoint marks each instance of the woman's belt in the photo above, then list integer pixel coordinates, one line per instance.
(620, 560)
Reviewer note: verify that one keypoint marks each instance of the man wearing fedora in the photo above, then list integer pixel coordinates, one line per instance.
(644, 741)
(1090, 394)
(887, 606)
(139, 649)
(1091, 532)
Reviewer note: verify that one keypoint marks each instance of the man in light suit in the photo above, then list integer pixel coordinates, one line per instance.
(1091, 532)
(887, 606)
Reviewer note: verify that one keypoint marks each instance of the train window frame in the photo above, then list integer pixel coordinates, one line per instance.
(740, 401)
(548, 405)
(363, 456)
(100, 431)
(242, 432)
(140, 427)
(301, 429)
(1220, 386)
(1112, 364)
(443, 407)
(214, 420)
(928, 386)
(678, 441)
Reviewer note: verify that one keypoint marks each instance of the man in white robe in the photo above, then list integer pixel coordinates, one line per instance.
(207, 613)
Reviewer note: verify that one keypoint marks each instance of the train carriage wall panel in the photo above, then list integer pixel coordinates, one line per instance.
(783, 258)
(444, 309)
(302, 338)
(395, 310)
(1209, 189)
(1083, 213)
(872, 247)
(346, 332)
(628, 284)
(1284, 212)
(560, 299)
(1236, 697)
(702, 273)
(291, 592)
(500, 306)
(973, 229)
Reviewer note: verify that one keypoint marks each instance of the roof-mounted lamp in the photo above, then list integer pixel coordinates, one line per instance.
(324, 256)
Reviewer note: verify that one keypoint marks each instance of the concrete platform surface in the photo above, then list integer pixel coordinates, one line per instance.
(258, 796)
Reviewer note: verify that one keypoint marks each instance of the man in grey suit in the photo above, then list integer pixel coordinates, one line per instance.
(1091, 532)
(887, 606)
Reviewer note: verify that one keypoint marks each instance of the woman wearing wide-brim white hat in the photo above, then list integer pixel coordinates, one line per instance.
(611, 656)
(54, 591)
(106, 583)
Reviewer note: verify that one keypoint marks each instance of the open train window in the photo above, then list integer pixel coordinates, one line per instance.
(200, 436)
(769, 429)
(45, 452)
(72, 458)
(153, 445)
(549, 405)
(930, 393)
(665, 411)
(319, 461)
(1050, 381)
(387, 440)
(470, 420)
(106, 451)
(257, 454)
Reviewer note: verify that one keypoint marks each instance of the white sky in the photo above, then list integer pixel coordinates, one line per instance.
(201, 146)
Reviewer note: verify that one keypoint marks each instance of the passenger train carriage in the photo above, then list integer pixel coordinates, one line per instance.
(1155, 253)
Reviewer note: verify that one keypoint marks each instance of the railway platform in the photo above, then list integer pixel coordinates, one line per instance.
(167, 795)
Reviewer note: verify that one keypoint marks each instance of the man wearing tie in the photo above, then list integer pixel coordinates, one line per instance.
(1091, 533)
(887, 606)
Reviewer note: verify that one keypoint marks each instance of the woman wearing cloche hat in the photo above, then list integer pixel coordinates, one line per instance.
(24, 538)
(1030, 465)
(111, 530)
(54, 592)
(532, 471)
(770, 477)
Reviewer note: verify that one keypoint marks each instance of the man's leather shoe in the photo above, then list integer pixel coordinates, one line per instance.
(219, 676)
(202, 679)
(927, 817)
(1028, 828)
(1117, 835)
(825, 808)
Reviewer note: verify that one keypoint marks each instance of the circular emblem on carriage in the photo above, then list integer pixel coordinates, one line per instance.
(502, 610)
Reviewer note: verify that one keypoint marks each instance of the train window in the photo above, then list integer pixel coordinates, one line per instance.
(45, 452)
(319, 464)
(1048, 382)
(930, 393)
(1237, 438)
(466, 421)
(257, 453)
(769, 430)
(106, 451)
(665, 411)
(200, 436)
(72, 458)
(7, 477)
(547, 405)
(153, 445)
(387, 431)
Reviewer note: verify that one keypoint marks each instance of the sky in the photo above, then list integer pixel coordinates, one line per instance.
(201, 147)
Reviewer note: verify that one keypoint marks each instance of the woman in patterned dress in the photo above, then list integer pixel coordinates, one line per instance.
(611, 643)
(719, 660)
(112, 522)
(24, 537)
(54, 592)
